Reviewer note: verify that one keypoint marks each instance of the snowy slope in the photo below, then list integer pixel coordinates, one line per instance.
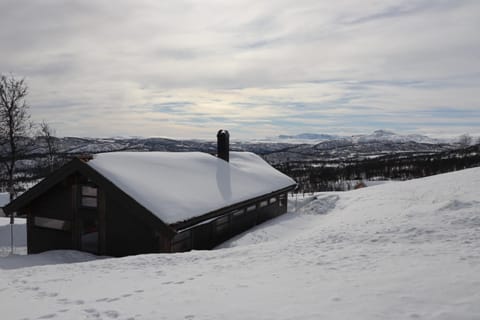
(406, 250)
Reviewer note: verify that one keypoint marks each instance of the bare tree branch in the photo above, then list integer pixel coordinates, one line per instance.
(47, 133)
(15, 124)
(465, 140)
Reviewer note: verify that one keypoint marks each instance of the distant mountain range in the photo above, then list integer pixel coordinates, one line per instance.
(302, 147)
(306, 146)
(378, 135)
(297, 152)
(309, 136)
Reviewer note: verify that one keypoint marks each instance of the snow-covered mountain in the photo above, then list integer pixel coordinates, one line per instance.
(312, 145)
(377, 135)
(385, 135)
(96, 145)
(308, 136)
(319, 146)
(308, 147)
(403, 250)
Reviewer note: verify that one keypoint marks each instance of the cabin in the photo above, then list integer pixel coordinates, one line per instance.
(126, 203)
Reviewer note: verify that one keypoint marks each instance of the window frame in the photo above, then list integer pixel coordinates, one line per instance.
(238, 213)
(87, 195)
(51, 223)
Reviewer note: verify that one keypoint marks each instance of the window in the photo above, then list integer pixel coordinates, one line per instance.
(181, 242)
(51, 223)
(222, 220)
(181, 236)
(238, 213)
(263, 203)
(222, 225)
(251, 208)
(89, 196)
(272, 200)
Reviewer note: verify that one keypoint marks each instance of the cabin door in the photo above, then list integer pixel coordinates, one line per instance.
(88, 222)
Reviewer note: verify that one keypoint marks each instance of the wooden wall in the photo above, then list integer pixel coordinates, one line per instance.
(126, 234)
(56, 204)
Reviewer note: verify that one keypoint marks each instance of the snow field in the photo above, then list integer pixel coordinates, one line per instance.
(407, 250)
(20, 237)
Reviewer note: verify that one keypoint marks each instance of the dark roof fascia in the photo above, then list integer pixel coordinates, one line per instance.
(219, 212)
(43, 186)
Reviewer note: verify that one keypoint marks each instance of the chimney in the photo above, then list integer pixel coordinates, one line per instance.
(223, 145)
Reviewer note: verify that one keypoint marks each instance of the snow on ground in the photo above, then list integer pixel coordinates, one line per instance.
(4, 199)
(406, 250)
(19, 237)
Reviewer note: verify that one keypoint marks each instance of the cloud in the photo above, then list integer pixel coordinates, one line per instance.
(263, 68)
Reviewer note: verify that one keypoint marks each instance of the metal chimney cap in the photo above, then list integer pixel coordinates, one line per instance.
(222, 132)
(223, 145)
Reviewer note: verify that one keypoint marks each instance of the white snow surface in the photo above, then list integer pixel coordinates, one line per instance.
(19, 236)
(177, 186)
(4, 198)
(406, 250)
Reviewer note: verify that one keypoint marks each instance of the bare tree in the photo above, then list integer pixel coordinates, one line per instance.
(15, 124)
(465, 140)
(47, 133)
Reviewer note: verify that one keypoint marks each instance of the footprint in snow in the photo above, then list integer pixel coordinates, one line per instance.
(92, 313)
(67, 301)
(112, 314)
(48, 316)
(101, 300)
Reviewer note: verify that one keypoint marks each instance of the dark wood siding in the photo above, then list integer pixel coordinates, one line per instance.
(213, 232)
(56, 204)
(126, 234)
(202, 237)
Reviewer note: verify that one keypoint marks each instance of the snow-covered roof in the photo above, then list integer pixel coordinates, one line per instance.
(177, 186)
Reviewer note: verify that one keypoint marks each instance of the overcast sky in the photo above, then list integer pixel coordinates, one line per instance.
(258, 68)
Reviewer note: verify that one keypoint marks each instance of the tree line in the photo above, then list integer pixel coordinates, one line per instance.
(317, 176)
